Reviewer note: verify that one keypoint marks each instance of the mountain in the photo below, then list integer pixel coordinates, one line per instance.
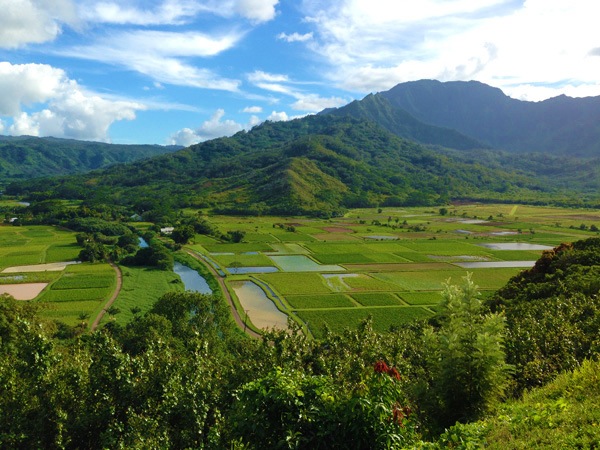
(396, 120)
(26, 157)
(316, 165)
(481, 116)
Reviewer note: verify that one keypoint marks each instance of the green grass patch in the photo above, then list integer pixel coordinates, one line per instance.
(71, 313)
(296, 283)
(421, 298)
(319, 301)
(242, 247)
(377, 299)
(142, 287)
(62, 252)
(340, 319)
(243, 260)
(83, 280)
(73, 295)
(364, 282)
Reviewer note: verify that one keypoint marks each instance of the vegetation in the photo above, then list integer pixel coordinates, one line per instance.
(319, 165)
(27, 157)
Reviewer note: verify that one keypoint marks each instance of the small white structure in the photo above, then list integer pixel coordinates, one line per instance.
(167, 230)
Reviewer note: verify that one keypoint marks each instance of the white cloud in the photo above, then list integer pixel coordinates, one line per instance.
(278, 116)
(160, 55)
(175, 12)
(252, 109)
(33, 21)
(65, 109)
(258, 76)
(255, 10)
(315, 103)
(213, 128)
(169, 12)
(371, 45)
(295, 37)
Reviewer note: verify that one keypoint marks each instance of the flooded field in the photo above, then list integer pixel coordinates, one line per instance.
(495, 264)
(516, 246)
(301, 263)
(260, 309)
(191, 279)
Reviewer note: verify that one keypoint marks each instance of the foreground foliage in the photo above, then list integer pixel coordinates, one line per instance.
(183, 376)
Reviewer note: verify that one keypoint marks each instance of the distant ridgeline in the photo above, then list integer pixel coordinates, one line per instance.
(472, 115)
(24, 157)
(421, 143)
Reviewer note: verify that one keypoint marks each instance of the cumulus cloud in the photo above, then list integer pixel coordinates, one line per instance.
(278, 116)
(252, 109)
(315, 103)
(213, 128)
(33, 21)
(371, 45)
(65, 109)
(255, 10)
(295, 37)
(594, 52)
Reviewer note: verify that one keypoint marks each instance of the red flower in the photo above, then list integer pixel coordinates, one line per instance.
(398, 414)
(393, 372)
(381, 367)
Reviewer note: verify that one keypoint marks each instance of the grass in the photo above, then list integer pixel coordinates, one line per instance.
(296, 283)
(142, 287)
(319, 301)
(377, 299)
(338, 320)
(390, 274)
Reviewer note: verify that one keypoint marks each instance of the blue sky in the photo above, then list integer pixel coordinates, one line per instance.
(181, 72)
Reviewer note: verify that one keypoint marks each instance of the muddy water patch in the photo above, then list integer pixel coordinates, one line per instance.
(516, 246)
(260, 309)
(336, 281)
(24, 291)
(40, 267)
(495, 264)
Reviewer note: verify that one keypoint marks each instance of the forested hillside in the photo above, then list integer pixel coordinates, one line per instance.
(315, 165)
(27, 157)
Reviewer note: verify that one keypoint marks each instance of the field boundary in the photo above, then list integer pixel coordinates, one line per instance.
(113, 297)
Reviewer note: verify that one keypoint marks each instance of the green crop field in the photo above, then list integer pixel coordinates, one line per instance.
(399, 279)
(392, 280)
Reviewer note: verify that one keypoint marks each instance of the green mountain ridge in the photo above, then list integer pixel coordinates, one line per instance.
(23, 157)
(315, 165)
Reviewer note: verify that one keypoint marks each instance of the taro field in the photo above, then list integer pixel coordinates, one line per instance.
(38, 263)
(390, 264)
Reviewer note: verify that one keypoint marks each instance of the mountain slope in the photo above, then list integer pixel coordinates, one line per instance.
(560, 125)
(396, 120)
(27, 156)
(315, 165)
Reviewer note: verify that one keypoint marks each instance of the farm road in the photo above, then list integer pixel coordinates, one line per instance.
(112, 299)
(226, 293)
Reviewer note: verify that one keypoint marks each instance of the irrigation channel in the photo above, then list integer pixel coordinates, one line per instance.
(219, 276)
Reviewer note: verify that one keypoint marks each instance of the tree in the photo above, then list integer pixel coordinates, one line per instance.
(466, 356)
(183, 233)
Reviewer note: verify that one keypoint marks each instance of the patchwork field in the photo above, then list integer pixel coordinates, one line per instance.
(390, 264)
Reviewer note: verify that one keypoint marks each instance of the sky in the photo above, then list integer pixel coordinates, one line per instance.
(185, 71)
